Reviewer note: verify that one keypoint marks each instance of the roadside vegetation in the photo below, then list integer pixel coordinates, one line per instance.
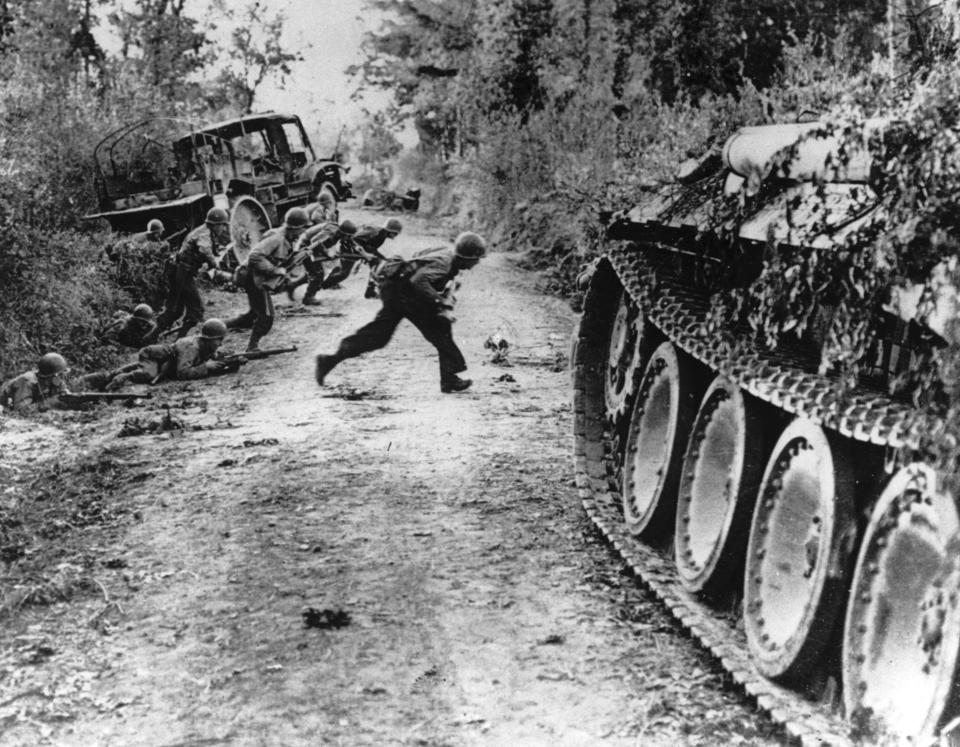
(550, 113)
(534, 117)
(60, 93)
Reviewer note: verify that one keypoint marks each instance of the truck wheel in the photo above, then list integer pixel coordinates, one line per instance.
(248, 224)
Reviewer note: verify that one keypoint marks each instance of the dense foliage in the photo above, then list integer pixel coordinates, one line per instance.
(556, 110)
(60, 92)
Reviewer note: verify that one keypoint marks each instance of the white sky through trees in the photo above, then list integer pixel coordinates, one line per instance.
(327, 33)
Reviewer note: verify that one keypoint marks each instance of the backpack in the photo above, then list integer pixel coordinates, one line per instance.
(393, 268)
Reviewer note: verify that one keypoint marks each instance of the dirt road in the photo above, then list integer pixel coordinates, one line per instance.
(371, 563)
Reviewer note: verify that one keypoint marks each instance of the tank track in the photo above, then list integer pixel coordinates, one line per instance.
(780, 379)
(783, 380)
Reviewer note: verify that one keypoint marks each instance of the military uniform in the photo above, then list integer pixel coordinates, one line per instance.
(324, 238)
(370, 239)
(267, 265)
(415, 293)
(182, 360)
(183, 297)
(131, 331)
(28, 391)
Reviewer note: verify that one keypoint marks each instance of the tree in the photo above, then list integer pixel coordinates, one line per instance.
(256, 52)
(419, 54)
(378, 145)
(164, 45)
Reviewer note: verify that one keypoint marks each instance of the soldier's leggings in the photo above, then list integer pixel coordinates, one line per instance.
(260, 315)
(400, 304)
(182, 298)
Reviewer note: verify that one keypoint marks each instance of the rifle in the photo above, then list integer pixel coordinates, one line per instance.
(76, 398)
(254, 355)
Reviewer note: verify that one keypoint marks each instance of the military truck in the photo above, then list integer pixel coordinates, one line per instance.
(256, 166)
(773, 492)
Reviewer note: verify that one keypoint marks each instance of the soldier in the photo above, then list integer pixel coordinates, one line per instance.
(187, 358)
(321, 242)
(199, 248)
(135, 245)
(324, 210)
(133, 330)
(268, 270)
(416, 290)
(153, 234)
(368, 241)
(39, 389)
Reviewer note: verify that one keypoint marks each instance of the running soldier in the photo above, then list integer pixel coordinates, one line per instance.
(269, 270)
(199, 248)
(321, 242)
(39, 389)
(368, 241)
(187, 358)
(417, 290)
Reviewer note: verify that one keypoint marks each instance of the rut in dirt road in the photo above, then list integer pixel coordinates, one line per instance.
(368, 563)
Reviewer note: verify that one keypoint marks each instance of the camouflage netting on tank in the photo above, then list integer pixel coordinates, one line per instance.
(910, 240)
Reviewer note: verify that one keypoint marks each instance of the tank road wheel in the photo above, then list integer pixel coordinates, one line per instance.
(902, 633)
(624, 359)
(721, 472)
(797, 557)
(659, 424)
(248, 224)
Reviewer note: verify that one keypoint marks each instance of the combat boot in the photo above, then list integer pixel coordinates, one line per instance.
(454, 384)
(324, 365)
(310, 294)
(254, 343)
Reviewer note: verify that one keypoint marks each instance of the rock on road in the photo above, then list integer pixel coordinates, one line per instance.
(480, 607)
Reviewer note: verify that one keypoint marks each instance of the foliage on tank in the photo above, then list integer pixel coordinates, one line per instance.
(907, 245)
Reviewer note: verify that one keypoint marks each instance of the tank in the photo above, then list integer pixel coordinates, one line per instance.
(780, 499)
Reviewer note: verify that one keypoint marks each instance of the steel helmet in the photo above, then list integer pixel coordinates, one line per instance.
(217, 216)
(348, 228)
(393, 225)
(143, 311)
(213, 329)
(470, 246)
(155, 225)
(296, 218)
(326, 199)
(50, 365)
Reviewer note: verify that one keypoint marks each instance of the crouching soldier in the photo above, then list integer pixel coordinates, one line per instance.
(269, 269)
(198, 249)
(324, 242)
(368, 241)
(133, 330)
(39, 389)
(187, 358)
(419, 290)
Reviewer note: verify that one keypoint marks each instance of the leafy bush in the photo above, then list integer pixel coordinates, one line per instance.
(58, 299)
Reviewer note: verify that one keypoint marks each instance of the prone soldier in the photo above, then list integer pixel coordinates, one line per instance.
(188, 358)
(39, 389)
(133, 330)
(417, 290)
(199, 248)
